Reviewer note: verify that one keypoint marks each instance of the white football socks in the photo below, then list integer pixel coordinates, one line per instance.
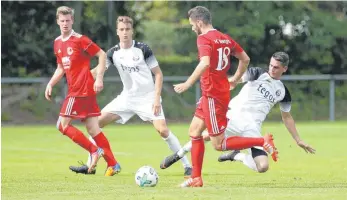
(247, 160)
(175, 146)
(185, 149)
(89, 161)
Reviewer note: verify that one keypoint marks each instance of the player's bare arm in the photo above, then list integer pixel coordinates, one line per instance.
(290, 125)
(100, 71)
(232, 84)
(158, 87)
(58, 74)
(108, 63)
(94, 72)
(202, 66)
(241, 68)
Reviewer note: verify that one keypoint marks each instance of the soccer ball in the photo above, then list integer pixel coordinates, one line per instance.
(146, 176)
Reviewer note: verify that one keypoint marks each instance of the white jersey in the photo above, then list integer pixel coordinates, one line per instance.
(258, 96)
(134, 66)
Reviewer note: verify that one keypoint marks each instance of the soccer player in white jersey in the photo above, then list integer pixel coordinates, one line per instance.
(248, 110)
(141, 95)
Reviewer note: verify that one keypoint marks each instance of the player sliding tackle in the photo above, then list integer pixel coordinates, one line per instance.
(248, 110)
(215, 49)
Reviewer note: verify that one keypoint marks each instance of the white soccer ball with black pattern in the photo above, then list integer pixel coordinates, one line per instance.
(146, 176)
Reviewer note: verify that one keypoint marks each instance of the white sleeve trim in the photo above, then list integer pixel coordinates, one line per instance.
(285, 106)
(152, 62)
(108, 63)
(245, 77)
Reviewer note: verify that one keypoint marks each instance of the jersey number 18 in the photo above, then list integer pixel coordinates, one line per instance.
(223, 58)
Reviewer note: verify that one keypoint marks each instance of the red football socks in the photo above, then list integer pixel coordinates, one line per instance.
(239, 143)
(103, 143)
(78, 137)
(197, 155)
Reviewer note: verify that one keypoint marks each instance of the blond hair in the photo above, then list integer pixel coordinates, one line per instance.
(125, 19)
(64, 10)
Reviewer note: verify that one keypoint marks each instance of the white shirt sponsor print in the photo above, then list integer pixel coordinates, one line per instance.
(66, 62)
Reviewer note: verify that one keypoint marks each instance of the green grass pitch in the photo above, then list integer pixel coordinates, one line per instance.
(35, 162)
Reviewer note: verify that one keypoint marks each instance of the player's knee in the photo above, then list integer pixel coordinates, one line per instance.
(101, 125)
(217, 146)
(61, 128)
(217, 143)
(58, 123)
(163, 131)
(262, 168)
(262, 165)
(192, 131)
(62, 124)
(93, 130)
(103, 121)
(261, 159)
(206, 136)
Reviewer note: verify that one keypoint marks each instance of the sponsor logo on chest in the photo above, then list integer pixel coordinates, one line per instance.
(267, 94)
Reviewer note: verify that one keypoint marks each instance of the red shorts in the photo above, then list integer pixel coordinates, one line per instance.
(213, 111)
(80, 107)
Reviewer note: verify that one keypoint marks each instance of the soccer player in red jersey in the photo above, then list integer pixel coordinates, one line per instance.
(73, 52)
(215, 49)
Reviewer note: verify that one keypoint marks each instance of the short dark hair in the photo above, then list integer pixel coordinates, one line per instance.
(200, 13)
(282, 57)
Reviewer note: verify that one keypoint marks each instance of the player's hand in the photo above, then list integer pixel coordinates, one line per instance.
(48, 92)
(98, 85)
(182, 87)
(232, 83)
(156, 107)
(306, 147)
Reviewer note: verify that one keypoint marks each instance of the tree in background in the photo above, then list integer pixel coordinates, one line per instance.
(313, 33)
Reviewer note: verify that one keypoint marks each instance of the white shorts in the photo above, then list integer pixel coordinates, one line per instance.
(126, 107)
(242, 125)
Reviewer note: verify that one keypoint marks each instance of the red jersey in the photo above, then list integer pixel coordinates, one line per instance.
(74, 54)
(219, 47)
